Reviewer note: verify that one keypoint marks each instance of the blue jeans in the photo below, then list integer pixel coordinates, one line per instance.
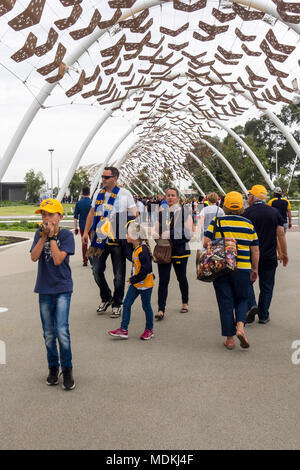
(54, 311)
(118, 260)
(266, 286)
(131, 295)
(232, 295)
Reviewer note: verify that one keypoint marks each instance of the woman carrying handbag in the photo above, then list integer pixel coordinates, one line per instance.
(175, 225)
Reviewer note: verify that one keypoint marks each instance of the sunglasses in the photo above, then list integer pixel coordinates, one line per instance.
(105, 177)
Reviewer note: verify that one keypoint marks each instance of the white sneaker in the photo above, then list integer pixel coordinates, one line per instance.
(116, 312)
(103, 307)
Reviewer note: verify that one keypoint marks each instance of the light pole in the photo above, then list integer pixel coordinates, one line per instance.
(51, 151)
(276, 160)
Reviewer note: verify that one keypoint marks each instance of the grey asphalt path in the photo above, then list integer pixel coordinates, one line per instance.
(180, 390)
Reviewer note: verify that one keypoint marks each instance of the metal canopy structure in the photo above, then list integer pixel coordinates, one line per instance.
(195, 66)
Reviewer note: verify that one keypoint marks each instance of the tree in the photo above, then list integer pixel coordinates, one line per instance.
(166, 179)
(34, 184)
(268, 135)
(143, 176)
(79, 180)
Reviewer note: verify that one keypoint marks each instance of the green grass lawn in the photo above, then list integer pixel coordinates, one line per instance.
(28, 210)
(4, 241)
(23, 226)
(8, 240)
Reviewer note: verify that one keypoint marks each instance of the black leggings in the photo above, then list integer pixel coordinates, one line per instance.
(164, 271)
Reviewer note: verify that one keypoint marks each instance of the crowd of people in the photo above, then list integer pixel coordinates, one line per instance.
(119, 226)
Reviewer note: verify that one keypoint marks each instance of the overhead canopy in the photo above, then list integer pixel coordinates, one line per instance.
(181, 63)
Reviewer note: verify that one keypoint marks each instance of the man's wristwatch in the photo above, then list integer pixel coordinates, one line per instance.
(52, 238)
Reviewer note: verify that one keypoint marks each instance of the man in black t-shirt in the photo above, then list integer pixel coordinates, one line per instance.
(268, 225)
(283, 206)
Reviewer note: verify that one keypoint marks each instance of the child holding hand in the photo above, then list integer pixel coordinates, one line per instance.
(141, 282)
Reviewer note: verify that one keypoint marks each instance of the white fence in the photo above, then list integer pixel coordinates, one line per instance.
(296, 218)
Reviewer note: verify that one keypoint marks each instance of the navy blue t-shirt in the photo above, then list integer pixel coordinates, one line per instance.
(265, 220)
(53, 279)
(82, 209)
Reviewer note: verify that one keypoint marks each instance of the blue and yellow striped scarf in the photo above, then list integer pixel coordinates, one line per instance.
(100, 237)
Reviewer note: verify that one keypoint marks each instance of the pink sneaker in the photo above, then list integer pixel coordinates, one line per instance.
(119, 333)
(147, 334)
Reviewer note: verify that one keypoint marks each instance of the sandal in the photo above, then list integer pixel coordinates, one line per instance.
(244, 343)
(159, 316)
(229, 344)
(184, 310)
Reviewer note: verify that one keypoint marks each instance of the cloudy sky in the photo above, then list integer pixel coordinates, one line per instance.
(61, 127)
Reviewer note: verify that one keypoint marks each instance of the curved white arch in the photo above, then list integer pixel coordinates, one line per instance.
(276, 121)
(108, 157)
(126, 184)
(40, 99)
(248, 150)
(147, 187)
(229, 166)
(226, 162)
(195, 183)
(139, 190)
(122, 159)
(37, 104)
(208, 172)
(81, 151)
(120, 162)
(126, 155)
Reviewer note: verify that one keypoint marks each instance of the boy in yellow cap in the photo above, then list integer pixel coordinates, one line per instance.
(52, 247)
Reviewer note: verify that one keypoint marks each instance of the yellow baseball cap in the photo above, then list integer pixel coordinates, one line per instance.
(258, 191)
(234, 201)
(50, 205)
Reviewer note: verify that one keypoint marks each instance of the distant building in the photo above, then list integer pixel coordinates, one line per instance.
(12, 191)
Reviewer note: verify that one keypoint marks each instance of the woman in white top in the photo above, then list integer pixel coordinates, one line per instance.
(210, 211)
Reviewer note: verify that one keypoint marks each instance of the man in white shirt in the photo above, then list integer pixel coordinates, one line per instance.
(115, 205)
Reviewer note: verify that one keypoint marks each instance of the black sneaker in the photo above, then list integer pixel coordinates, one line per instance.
(52, 378)
(103, 307)
(251, 314)
(264, 322)
(68, 381)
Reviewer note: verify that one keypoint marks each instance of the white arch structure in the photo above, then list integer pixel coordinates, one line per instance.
(140, 191)
(262, 5)
(126, 184)
(96, 180)
(224, 160)
(118, 164)
(126, 155)
(106, 160)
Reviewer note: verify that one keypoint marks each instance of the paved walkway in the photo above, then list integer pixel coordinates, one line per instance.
(181, 390)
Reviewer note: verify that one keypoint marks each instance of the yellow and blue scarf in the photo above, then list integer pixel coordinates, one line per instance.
(100, 236)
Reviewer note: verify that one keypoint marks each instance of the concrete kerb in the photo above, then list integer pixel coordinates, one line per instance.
(13, 244)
